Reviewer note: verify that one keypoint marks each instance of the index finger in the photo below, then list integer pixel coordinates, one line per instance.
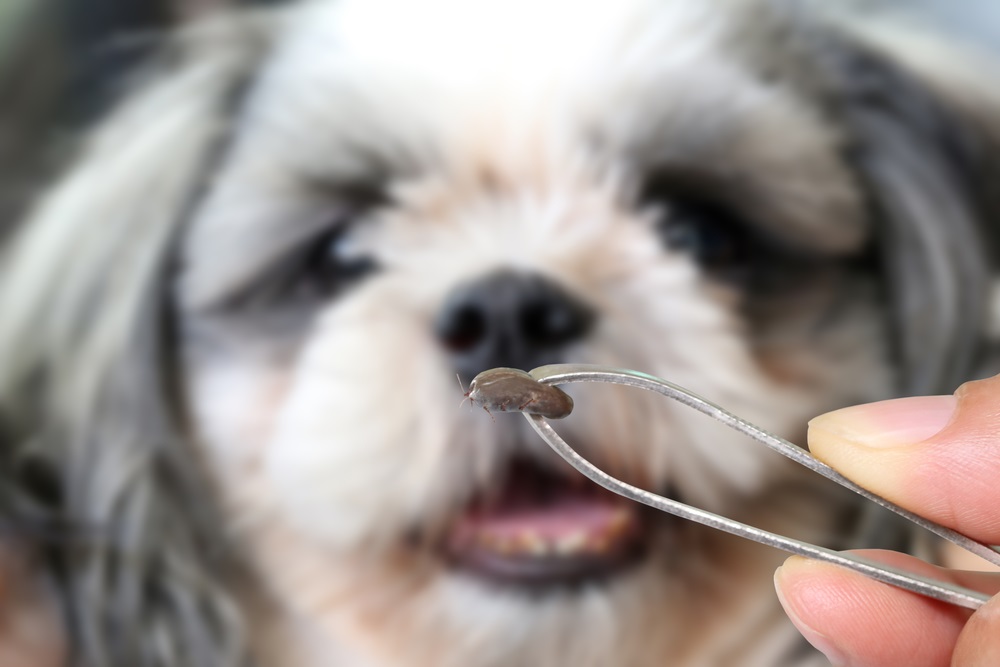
(938, 456)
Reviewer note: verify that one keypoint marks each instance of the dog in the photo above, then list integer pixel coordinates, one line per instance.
(232, 425)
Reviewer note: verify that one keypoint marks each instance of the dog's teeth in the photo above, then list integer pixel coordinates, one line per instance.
(507, 546)
(621, 519)
(534, 545)
(571, 543)
(598, 544)
(497, 543)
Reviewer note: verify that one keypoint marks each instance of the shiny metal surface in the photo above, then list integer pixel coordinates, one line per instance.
(568, 373)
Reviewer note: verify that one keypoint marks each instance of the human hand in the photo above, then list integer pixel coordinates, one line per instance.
(938, 456)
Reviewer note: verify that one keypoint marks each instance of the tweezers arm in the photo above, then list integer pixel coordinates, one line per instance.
(563, 373)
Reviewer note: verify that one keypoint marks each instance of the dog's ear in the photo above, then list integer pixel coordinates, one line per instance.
(922, 129)
(85, 382)
(925, 138)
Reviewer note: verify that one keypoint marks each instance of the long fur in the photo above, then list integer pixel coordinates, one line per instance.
(118, 364)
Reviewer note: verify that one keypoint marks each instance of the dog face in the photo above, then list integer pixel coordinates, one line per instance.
(660, 186)
(523, 210)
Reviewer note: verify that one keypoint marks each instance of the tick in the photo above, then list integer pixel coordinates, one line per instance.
(513, 390)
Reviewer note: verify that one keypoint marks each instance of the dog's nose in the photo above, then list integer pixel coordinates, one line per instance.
(512, 319)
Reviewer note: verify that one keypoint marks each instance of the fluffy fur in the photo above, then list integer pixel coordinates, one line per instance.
(223, 463)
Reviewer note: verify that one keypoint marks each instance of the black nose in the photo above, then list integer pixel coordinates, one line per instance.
(512, 319)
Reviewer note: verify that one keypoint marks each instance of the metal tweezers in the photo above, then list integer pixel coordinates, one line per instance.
(940, 590)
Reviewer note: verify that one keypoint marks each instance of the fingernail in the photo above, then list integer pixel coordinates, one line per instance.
(819, 641)
(902, 421)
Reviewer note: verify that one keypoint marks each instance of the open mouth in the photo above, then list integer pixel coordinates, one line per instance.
(541, 527)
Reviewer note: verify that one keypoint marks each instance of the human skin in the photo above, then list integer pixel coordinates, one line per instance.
(940, 457)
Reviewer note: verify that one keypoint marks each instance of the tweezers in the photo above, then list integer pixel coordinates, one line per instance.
(939, 590)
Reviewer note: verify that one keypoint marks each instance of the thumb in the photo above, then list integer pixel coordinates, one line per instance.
(979, 643)
(938, 456)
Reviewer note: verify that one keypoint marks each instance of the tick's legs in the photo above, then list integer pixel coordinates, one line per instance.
(490, 414)
(464, 392)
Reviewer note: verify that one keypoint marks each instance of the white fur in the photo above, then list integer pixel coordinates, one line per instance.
(512, 134)
(332, 458)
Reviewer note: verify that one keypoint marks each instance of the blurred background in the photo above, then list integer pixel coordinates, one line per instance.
(61, 62)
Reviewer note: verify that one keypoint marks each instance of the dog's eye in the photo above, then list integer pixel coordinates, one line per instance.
(736, 249)
(709, 233)
(318, 268)
(312, 270)
(333, 261)
(704, 232)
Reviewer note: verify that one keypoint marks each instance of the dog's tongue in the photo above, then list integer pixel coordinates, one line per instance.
(542, 526)
(557, 521)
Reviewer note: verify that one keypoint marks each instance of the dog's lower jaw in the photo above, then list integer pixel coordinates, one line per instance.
(712, 605)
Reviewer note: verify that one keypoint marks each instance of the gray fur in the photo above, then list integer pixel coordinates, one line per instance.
(928, 178)
(87, 386)
(89, 393)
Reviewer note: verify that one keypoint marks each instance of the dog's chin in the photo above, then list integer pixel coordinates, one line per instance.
(570, 576)
(457, 617)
